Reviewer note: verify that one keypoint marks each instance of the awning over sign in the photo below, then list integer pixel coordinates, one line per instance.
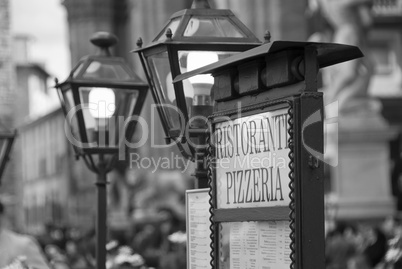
(327, 54)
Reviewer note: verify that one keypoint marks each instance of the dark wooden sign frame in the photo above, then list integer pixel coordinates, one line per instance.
(306, 209)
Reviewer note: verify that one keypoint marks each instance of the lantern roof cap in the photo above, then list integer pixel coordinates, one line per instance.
(103, 40)
(201, 24)
(103, 67)
(200, 4)
(327, 54)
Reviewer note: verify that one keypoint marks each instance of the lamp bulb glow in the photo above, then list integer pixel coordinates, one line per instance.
(101, 102)
(198, 59)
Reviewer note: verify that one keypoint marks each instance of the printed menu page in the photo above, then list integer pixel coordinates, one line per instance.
(259, 245)
(198, 232)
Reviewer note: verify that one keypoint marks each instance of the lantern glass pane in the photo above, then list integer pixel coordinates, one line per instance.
(197, 89)
(162, 79)
(173, 25)
(212, 27)
(106, 71)
(105, 111)
(71, 118)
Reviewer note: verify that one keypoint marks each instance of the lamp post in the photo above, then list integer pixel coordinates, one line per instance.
(192, 38)
(6, 142)
(101, 99)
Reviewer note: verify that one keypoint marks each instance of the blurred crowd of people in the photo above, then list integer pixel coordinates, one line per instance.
(153, 235)
(365, 245)
(162, 245)
(159, 244)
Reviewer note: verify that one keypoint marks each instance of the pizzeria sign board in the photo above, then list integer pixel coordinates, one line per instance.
(252, 163)
(251, 171)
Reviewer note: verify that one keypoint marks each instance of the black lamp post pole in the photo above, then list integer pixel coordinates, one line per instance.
(200, 134)
(101, 214)
(201, 169)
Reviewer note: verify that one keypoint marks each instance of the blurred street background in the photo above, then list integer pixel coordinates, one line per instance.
(51, 196)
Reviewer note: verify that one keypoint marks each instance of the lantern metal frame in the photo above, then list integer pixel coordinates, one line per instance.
(171, 41)
(7, 137)
(101, 159)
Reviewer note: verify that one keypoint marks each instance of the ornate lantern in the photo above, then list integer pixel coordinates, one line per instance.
(192, 38)
(101, 98)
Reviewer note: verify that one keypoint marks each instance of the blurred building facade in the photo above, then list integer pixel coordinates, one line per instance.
(366, 182)
(9, 187)
(47, 173)
(385, 40)
(42, 175)
(54, 192)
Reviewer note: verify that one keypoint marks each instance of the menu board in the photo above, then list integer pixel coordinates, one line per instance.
(198, 229)
(255, 245)
(252, 162)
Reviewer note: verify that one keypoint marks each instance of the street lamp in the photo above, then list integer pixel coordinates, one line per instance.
(192, 38)
(6, 142)
(101, 99)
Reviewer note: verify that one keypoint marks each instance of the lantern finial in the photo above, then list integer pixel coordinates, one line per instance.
(267, 37)
(104, 40)
(200, 4)
(169, 34)
(139, 42)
